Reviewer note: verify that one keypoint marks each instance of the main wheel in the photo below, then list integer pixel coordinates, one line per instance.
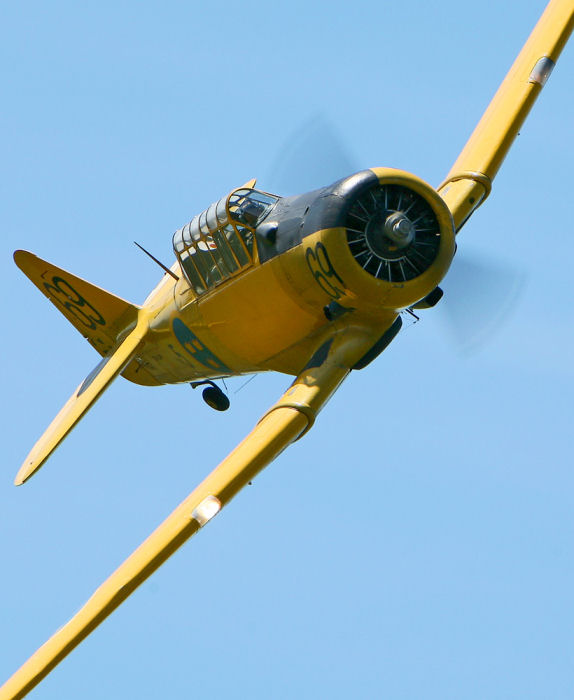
(214, 397)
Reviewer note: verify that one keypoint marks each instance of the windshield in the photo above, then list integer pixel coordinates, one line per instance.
(250, 207)
(218, 243)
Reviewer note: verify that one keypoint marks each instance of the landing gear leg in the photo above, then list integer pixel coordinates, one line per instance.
(212, 395)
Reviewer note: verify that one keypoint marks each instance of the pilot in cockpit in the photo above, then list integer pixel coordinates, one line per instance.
(249, 212)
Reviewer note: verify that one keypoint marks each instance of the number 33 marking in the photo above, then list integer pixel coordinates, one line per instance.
(66, 295)
(323, 271)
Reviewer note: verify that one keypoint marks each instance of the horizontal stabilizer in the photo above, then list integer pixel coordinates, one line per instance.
(82, 399)
(98, 315)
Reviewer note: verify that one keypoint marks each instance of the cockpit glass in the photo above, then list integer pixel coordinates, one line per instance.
(219, 242)
(250, 207)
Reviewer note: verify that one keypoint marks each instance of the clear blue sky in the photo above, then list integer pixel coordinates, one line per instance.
(418, 543)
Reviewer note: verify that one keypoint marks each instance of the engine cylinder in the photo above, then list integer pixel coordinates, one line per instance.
(400, 232)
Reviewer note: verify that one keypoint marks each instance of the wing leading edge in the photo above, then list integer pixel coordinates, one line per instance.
(82, 399)
(469, 181)
(284, 423)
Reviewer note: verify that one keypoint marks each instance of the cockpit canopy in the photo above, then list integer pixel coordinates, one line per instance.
(219, 242)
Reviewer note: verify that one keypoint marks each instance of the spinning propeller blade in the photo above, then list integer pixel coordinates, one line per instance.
(479, 294)
(312, 156)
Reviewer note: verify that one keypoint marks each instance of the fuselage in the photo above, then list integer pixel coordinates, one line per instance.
(357, 252)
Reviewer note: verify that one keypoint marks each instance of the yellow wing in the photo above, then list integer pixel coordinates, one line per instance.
(470, 179)
(284, 423)
(82, 399)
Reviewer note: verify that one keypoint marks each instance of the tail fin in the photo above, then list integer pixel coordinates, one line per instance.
(98, 315)
(83, 398)
(104, 320)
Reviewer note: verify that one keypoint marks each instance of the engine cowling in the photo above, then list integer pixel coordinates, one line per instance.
(400, 232)
(398, 237)
(376, 242)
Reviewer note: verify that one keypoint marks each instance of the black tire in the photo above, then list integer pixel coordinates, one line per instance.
(214, 397)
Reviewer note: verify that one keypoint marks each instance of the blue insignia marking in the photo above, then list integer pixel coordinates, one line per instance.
(193, 345)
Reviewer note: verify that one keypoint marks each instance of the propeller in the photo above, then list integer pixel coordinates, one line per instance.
(312, 156)
(479, 292)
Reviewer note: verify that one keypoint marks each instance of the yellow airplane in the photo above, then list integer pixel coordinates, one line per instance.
(312, 286)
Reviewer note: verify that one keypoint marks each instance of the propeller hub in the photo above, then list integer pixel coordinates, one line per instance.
(389, 233)
(400, 229)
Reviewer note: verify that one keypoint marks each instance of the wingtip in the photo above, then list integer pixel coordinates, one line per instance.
(19, 254)
(23, 259)
(26, 471)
